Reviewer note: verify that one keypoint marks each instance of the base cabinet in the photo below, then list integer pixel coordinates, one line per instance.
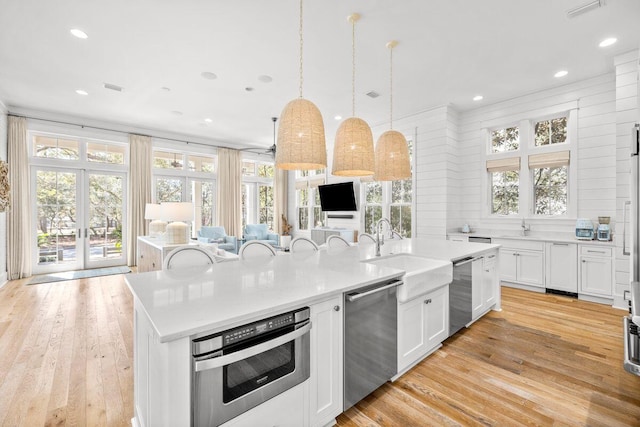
(484, 285)
(522, 262)
(596, 271)
(423, 323)
(326, 361)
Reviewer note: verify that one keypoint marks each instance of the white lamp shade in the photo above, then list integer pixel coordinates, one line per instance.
(152, 211)
(353, 151)
(177, 211)
(301, 142)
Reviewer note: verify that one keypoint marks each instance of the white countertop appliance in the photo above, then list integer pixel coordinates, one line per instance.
(632, 321)
(584, 229)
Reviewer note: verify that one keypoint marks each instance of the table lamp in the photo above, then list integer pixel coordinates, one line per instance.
(157, 226)
(177, 231)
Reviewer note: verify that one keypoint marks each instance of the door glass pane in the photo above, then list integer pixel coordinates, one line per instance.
(265, 199)
(56, 222)
(168, 190)
(202, 197)
(105, 216)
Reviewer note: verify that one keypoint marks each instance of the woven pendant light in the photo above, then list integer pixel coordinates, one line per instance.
(353, 151)
(392, 151)
(301, 142)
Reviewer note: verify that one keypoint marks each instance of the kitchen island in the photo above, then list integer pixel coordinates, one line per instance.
(173, 307)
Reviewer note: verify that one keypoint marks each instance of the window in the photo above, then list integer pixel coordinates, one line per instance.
(506, 139)
(105, 153)
(257, 193)
(552, 131)
(308, 209)
(528, 167)
(180, 176)
(389, 199)
(55, 148)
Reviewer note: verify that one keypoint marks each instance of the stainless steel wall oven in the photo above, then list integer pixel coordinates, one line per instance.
(238, 369)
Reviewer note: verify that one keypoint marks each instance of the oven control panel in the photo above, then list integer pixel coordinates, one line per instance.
(217, 341)
(253, 329)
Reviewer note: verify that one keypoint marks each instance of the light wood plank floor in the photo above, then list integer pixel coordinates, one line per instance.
(66, 358)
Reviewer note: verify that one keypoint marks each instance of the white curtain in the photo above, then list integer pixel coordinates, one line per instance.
(140, 170)
(18, 228)
(229, 194)
(280, 189)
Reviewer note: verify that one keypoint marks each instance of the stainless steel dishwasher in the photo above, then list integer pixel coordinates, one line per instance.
(370, 339)
(460, 294)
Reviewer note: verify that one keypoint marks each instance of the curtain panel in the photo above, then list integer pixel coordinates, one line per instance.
(229, 194)
(140, 172)
(280, 199)
(19, 263)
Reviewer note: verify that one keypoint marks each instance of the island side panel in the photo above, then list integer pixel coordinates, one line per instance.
(162, 372)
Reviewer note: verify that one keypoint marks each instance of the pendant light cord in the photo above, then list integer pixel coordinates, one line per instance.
(353, 68)
(391, 88)
(301, 45)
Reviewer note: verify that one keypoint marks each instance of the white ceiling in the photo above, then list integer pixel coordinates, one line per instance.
(449, 51)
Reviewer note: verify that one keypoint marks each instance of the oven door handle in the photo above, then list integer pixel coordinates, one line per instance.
(217, 362)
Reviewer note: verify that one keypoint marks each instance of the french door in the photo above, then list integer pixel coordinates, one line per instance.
(78, 219)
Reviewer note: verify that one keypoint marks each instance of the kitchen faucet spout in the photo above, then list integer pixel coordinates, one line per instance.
(379, 239)
(524, 227)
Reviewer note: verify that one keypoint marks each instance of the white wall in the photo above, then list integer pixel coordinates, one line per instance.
(3, 215)
(627, 113)
(596, 162)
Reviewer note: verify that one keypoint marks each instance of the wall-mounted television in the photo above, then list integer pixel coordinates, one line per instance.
(337, 197)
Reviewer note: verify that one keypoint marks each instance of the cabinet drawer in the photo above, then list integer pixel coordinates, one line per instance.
(520, 244)
(596, 251)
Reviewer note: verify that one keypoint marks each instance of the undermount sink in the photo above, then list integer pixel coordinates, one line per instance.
(421, 274)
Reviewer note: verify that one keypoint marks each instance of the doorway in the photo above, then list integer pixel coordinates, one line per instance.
(79, 219)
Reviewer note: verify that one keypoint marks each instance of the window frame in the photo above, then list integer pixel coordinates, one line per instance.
(255, 182)
(526, 122)
(309, 179)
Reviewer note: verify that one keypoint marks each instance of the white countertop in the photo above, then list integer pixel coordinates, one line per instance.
(181, 303)
(553, 238)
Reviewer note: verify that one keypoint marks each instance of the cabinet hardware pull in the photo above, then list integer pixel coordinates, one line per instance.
(595, 252)
(141, 256)
(428, 301)
(491, 256)
(336, 308)
(626, 295)
(487, 271)
(624, 228)
(356, 296)
(560, 244)
(584, 260)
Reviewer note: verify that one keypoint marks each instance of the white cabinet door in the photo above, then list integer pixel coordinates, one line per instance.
(477, 300)
(530, 268)
(562, 266)
(326, 361)
(411, 334)
(508, 265)
(595, 276)
(436, 316)
(423, 323)
(489, 281)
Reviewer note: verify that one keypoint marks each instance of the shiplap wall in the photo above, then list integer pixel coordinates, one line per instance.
(627, 113)
(3, 216)
(596, 153)
(435, 164)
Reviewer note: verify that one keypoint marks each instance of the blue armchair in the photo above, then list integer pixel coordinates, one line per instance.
(218, 235)
(261, 233)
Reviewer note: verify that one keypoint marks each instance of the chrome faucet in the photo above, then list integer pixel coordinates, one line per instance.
(379, 235)
(524, 227)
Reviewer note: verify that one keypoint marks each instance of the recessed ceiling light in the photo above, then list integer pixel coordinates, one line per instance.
(79, 33)
(608, 42)
(478, 98)
(208, 75)
(338, 117)
(176, 112)
(561, 73)
(111, 86)
(82, 92)
(265, 79)
(208, 120)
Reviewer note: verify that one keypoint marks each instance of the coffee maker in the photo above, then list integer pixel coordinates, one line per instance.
(604, 231)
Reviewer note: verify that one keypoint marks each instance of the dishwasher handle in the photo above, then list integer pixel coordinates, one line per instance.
(356, 296)
(466, 261)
